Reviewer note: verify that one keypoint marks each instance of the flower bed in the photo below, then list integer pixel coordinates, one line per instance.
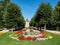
(31, 35)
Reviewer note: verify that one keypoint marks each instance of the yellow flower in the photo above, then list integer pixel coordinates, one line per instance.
(15, 35)
(47, 36)
(2, 33)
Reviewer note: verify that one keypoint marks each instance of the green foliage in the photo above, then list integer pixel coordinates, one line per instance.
(42, 15)
(11, 15)
(55, 18)
(45, 15)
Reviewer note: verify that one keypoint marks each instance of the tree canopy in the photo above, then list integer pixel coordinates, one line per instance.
(11, 15)
(43, 14)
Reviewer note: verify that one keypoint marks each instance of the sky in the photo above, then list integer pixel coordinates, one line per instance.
(29, 7)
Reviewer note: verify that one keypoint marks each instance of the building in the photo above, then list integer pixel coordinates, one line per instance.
(27, 23)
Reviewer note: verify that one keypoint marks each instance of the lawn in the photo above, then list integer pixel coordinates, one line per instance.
(6, 40)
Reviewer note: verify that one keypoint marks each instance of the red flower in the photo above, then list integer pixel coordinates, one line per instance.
(22, 38)
(20, 32)
(41, 32)
(34, 38)
(40, 37)
(31, 30)
(29, 38)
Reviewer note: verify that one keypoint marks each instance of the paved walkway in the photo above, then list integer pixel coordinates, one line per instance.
(55, 32)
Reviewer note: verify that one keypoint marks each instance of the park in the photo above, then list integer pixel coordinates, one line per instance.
(29, 22)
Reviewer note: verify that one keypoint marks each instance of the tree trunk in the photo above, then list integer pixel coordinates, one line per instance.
(45, 27)
(57, 28)
(12, 30)
(39, 28)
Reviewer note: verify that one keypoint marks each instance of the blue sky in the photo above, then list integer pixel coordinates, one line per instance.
(29, 7)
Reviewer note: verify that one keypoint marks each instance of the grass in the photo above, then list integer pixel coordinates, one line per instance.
(6, 40)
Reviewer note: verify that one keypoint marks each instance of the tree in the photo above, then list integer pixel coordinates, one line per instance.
(43, 14)
(38, 15)
(56, 15)
(33, 23)
(12, 16)
(1, 13)
(47, 14)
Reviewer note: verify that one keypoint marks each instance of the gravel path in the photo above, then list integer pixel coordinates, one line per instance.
(55, 32)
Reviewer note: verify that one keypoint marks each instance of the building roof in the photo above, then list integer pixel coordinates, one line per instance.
(27, 20)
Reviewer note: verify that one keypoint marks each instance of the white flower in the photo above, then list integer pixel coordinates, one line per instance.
(40, 35)
(26, 36)
(27, 30)
(34, 30)
(32, 35)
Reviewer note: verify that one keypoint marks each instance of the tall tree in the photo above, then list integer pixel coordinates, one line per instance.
(47, 14)
(38, 15)
(56, 15)
(43, 14)
(12, 16)
(5, 14)
(1, 13)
